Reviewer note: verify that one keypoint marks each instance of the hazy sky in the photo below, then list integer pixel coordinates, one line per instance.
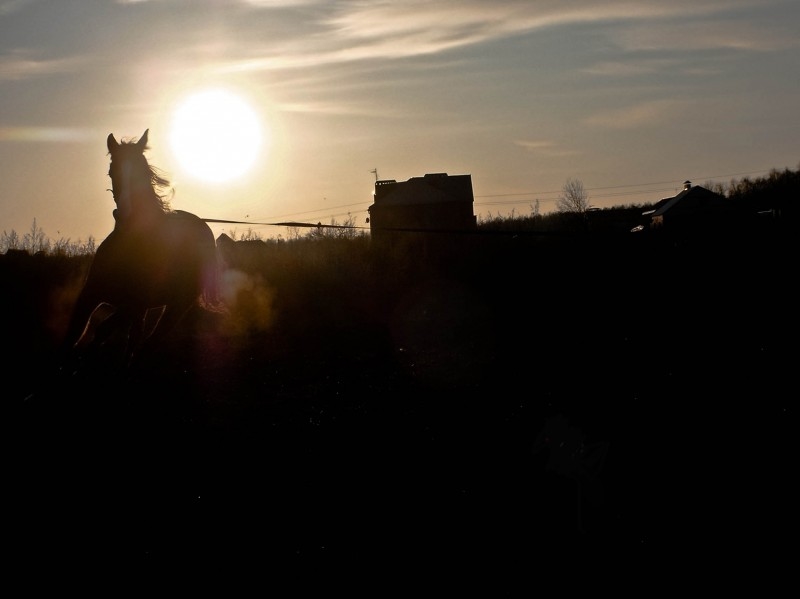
(632, 98)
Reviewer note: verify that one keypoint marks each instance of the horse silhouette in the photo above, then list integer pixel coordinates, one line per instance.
(151, 270)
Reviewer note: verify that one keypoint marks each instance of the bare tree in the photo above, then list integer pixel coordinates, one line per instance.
(10, 241)
(36, 240)
(573, 198)
(719, 188)
(535, 209)
(293, 233)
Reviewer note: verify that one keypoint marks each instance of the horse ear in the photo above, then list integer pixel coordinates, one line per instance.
(111, 143)
(142, 143)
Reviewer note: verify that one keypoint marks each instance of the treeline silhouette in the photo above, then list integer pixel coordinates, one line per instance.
(338, 277)
(775, 193)
(325, 279)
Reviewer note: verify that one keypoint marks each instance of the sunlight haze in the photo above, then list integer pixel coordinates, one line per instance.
(631, 98)
(215, 136)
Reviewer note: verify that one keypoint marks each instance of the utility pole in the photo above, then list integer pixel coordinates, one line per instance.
(375, 172)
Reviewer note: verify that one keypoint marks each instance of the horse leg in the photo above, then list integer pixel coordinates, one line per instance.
(101, 347)
(95, 291)
(80, 322)
(99, 327)
(154, 331)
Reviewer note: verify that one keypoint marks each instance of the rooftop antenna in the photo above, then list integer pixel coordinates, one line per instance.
(375, 172)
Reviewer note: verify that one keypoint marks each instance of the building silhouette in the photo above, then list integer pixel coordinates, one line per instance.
(434, 203)
(695, 212)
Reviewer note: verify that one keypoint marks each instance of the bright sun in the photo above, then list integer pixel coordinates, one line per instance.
(215, 136)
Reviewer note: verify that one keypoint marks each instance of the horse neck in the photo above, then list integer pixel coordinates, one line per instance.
(144, 208)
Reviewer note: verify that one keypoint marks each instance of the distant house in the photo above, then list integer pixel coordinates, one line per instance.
(694, 209)
(434, 202)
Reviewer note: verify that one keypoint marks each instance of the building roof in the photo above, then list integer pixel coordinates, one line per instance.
(691, 198)
(431, 189)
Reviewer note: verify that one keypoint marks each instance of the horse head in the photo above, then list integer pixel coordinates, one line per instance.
(133, 180)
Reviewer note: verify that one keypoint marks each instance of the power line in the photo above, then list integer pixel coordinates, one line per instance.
(297, 214)
(526, 193)
(707, 178)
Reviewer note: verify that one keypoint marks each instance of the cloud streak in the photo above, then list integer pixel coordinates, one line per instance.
(352, 31)
(543, 148)
(20, 64)
(46, 134)
(645, 114)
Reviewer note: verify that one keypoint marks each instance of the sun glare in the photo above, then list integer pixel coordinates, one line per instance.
(215, 136)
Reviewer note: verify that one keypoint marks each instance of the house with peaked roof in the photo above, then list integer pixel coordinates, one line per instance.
(694, 209)
(436, 202)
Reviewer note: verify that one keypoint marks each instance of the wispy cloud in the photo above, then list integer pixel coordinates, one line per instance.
(543, 148)
(12, 6)
(630, 68)
(686, 64)
(380, 29)
(688, 35)
(637, 115)
(279, 3)
(19, 64)
(46, 134)
(341, 109)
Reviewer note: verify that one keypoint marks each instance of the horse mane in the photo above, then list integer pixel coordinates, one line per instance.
(162, 191)
(162, 188)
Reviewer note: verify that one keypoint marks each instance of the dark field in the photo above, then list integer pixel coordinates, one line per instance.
(501, 402)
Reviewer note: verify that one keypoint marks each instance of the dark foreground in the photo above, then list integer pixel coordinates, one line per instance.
(632, 411)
